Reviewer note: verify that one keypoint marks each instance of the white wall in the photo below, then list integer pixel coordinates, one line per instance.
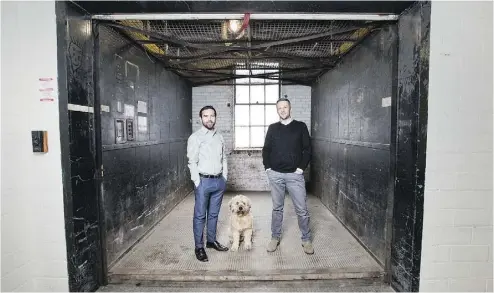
(457, 233)
(33, 235)
(246, 171)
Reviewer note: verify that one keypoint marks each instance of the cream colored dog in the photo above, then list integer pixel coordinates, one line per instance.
(241, 222)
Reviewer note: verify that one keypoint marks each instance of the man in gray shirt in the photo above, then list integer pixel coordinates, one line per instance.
(208, 171)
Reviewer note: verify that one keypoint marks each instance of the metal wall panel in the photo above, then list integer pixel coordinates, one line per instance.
(75, 71)
(351, 163)
(411, 129)
(144, 178)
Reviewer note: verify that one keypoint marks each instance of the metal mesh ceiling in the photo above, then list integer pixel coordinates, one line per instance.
(208, 51)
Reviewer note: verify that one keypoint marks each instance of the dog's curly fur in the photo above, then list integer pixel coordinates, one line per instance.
(241, 222)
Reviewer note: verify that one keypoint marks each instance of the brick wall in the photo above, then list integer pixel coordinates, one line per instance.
(33, 236)
(457, 232)
(246, 171)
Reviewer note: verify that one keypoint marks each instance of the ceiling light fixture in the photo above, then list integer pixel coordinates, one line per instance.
(234, 25)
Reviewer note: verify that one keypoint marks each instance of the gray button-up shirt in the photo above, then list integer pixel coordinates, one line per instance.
(206, 154)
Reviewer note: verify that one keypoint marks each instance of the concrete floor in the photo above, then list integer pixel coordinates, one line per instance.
(167, 252)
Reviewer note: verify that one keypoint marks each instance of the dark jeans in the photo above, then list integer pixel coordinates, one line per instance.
(208, 198)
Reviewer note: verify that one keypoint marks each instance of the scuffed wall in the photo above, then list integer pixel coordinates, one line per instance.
(145, 176)
(411, 133)
(76, 88)
(351, 126)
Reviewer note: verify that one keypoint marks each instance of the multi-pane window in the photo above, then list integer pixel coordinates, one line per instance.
(255, 106)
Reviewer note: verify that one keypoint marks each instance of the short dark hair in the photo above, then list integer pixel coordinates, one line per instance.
(284, 100)
(205, 108)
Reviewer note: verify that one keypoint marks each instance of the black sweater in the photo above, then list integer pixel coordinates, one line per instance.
(286, 147)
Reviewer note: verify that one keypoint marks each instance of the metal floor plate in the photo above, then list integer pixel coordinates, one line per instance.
(167, 252)
(254, 286)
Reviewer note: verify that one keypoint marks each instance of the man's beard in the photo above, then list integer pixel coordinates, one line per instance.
(206, 125)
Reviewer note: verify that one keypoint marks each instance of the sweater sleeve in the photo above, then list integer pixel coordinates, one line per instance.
(266, 149)
(306, 147)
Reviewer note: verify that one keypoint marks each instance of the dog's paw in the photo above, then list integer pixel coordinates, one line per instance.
(234, 248)
(248, 246)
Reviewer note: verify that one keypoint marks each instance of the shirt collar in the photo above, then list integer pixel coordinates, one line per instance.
(204, 130)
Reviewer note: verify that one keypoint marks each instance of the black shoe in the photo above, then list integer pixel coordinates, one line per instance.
(216, 245)
(201, 254)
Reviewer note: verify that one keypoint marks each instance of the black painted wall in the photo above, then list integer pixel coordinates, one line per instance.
(369, 161)
(75, 66)
(146, 177)
(351, 127)
(411, 121)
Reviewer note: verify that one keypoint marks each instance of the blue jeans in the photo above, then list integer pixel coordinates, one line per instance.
(295, 184)
(208, 198)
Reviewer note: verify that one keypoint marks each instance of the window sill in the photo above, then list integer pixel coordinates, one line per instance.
(247, 151)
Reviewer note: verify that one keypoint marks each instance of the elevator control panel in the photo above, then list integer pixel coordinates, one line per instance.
(39, 141)
(119, 131)
(130, 129)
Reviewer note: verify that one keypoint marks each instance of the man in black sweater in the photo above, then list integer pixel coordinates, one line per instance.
(286, 154)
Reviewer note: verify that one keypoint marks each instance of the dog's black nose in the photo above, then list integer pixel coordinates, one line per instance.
(240, 208)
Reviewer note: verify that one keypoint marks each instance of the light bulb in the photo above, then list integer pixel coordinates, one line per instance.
(234, 25)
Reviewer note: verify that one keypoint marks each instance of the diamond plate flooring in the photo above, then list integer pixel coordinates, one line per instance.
(167, 252)
(254, 286)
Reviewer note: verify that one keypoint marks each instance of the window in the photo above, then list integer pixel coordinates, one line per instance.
(255, 105)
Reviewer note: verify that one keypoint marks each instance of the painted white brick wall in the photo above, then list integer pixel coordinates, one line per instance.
(246, 171)
(457, 233)
(33, 233)
(300, 98)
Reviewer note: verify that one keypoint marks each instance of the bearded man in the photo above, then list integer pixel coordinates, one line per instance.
(208, 171)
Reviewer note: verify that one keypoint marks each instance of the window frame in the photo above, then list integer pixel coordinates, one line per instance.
(249, 103)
